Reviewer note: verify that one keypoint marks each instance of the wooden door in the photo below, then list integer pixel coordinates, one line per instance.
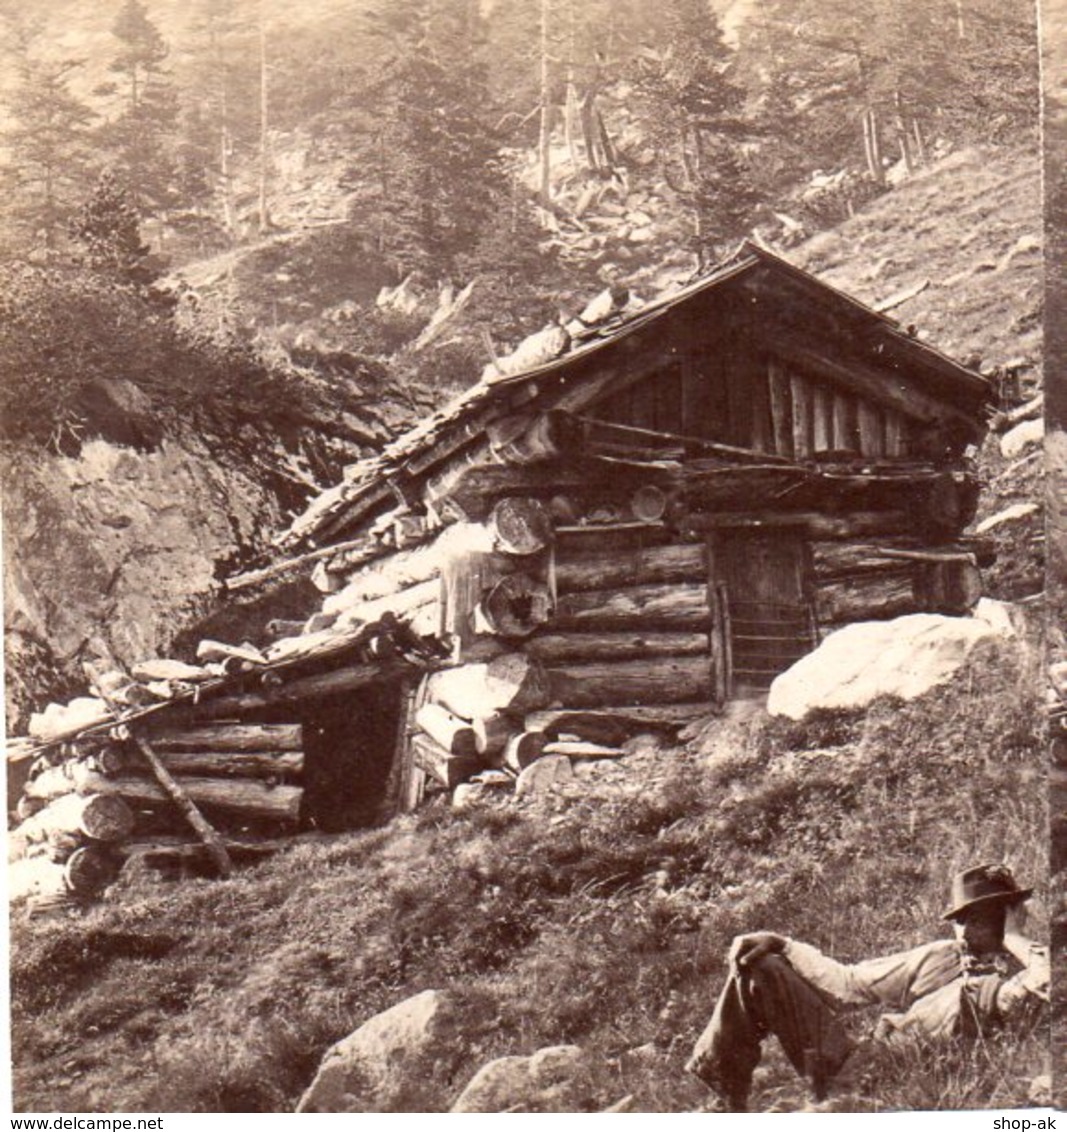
(764, 613)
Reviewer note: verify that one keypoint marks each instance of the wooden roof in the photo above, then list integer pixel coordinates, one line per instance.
(760, 274)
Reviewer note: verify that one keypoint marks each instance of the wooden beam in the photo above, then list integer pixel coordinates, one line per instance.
(552, 647)
(661, 680)
(816, 524)
(304, 688)
(231, 737)
(601, 569)
(201, 826)
(895, 390)
(631, 606)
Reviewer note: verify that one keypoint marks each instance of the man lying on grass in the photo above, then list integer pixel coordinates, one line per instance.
(949, 989)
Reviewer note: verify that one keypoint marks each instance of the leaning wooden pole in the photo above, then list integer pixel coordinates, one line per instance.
(203, 828)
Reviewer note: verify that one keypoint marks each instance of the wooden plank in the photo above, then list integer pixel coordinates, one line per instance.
(842, 416)
(800, 391)
(231, 737)
(239, 764)
(884, 387)
(822, 413)
(762, 426)
(661, 680)
(302, 689)
(553, 647)
(630, 719)
(718, 641)
(187, 807)
(895, 434)
(678, 604)
(781, 407)
(601, 569)
(871, 432)
(868, 598)
(814, 523)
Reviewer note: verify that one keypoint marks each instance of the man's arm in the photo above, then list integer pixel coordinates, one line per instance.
(895, 981)
(1033, 979)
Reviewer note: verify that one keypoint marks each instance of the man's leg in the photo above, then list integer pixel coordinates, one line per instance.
(768, 998)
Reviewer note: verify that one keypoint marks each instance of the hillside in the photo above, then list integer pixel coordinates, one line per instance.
(597, 916)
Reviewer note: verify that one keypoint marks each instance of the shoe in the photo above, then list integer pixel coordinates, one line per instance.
(732, 1099)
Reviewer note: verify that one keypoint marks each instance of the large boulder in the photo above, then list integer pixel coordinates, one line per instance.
(905, 657)
(371, 1070)
(551, 1080)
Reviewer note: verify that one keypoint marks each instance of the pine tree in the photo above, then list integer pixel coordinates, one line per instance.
(432, 152)
(48, 147)
(693, 115)
(108, 230)
(140, 139)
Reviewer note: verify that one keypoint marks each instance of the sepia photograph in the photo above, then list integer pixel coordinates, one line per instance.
(524, 555)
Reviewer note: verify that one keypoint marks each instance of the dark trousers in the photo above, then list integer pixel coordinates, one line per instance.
(768, 997)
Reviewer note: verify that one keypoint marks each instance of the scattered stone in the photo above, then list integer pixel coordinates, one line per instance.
(996, 614)
(1017, 439)
(363, 1071)
(1040, 1092)
(59, 719)
(547, 1081)
(1008, 515)
(624, 1104)
(855, 665)
(162, 668)
(540, 776)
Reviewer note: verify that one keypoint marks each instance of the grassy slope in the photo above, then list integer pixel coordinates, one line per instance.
(1054, 45)
(971, 225)
(598, 917)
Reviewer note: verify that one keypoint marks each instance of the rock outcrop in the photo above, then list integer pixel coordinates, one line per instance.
(109, 554)
(905, 658)
(369, 1071)
(548, 1081)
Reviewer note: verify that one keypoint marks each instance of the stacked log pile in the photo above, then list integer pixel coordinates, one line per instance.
(185, 773)
(92, 804)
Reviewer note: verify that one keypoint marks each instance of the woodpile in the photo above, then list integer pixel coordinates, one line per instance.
(98, 798)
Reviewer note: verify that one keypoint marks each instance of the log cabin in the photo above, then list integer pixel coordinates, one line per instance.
(637, 517)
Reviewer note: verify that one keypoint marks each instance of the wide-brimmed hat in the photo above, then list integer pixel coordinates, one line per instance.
(984, 884)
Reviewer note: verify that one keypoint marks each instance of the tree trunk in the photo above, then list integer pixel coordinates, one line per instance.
(187, 807)
(632, 606)
(858, 524)
(264, 150)
(88, 871)
(582, 749)
(300, 690)
(515, 606)
(654, 681)
(544, 155)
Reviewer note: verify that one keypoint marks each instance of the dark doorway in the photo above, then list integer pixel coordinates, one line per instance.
(350, 743)
(761, 577)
